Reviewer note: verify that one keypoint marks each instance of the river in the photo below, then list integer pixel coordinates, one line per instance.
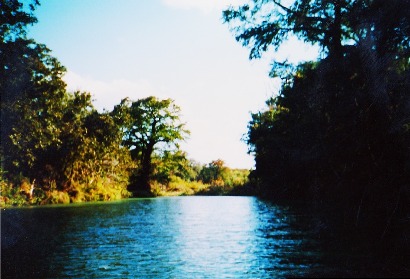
(178, 237)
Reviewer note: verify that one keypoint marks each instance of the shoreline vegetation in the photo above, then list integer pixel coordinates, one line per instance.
(25, 194)
(336, 138)
(57, 148)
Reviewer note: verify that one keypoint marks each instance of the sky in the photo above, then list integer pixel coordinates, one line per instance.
(178, 49)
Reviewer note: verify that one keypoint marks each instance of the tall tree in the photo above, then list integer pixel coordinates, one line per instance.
(32, 91)
(14, 19)
(262, 24)
(337, 133)
(48, 134)
(334, 25)
(151, 124)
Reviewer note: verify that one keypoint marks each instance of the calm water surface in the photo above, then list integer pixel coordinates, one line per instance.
(179, 237)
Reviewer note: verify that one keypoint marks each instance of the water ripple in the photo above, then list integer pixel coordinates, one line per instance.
(187, 237)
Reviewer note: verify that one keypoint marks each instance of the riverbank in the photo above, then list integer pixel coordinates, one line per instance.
(19, 196)
(211, 180)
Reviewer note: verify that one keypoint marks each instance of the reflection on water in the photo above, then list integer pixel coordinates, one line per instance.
(184, 237)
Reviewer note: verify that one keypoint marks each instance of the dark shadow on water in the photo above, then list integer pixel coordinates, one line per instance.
(28, 238)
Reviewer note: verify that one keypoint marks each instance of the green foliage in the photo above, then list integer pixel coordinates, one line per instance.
(32, 91)
(178, 187)
(170, 164)
(221, 179)
(211, 179)
(52, 139)
(56, 148)
(214, 173)
(236, 177)
(31, 107)
(149, 124)
(11, 195)
(100, 189)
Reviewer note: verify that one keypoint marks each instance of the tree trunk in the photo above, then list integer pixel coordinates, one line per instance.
(145, 175)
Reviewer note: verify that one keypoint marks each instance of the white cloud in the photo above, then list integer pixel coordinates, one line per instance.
(205, 6)
(108, 94)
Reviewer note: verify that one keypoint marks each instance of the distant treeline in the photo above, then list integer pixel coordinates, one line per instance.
(337, 135)
(57, 148)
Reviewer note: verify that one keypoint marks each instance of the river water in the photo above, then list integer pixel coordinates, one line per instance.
(178, 237)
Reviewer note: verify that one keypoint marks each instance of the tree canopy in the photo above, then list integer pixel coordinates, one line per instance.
(336, 135)
(53, 139)
(334, 25)
(150, 124)
(57, 148)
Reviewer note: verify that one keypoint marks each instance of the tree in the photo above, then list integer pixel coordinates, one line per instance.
(214, 173)
(356, 94)
(14, 18)
(334, 25)
(262, 24)
(286, 138)
(49, 135)
(337, 133)
(32, 92)
(170, 164)
(150, 124)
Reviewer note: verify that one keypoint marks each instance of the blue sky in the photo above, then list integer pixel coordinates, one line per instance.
(177, 49)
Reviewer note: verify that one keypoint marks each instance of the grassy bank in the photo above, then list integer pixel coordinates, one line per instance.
(26, 193)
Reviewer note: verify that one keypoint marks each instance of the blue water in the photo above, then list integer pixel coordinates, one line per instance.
(179, 237)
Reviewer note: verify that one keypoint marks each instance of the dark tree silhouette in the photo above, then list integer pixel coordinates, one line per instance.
(337, 134)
